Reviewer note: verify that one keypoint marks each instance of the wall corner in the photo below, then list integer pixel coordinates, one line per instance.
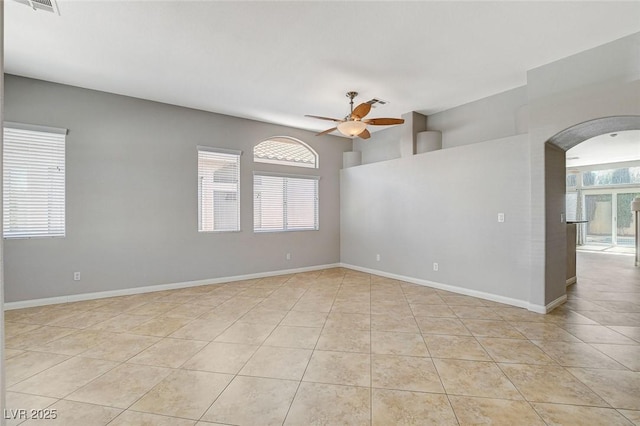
(414, 123)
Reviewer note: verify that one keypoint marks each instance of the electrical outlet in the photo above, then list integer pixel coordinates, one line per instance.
(377, 257)
(435, 266)
(288, 256)
(501, 217)
(76, 276)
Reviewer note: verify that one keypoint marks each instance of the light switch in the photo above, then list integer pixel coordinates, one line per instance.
(500, 217)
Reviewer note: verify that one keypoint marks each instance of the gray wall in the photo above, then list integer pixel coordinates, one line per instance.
(131, 178)
(498, 116)
(555, 227)
(383, 145)
(493, 117)
(442, 207)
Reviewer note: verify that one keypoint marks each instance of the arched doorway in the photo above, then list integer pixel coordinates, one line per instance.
(603, 177)
(555, 190)
(579, 133)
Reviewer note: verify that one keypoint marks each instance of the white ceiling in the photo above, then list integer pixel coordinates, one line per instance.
(276, 61)
(604, 149)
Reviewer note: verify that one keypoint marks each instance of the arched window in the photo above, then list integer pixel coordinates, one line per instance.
(287, 151)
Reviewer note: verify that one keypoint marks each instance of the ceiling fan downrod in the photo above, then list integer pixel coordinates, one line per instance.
(351, 95)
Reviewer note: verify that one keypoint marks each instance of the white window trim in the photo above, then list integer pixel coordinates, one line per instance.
(287, 175)
(35, 128)
(219, 150)
(285, 163)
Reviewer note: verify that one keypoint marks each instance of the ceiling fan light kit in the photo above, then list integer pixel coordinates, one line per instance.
(351, 128)
(353, 124)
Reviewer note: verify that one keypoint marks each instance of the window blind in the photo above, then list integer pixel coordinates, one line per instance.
(284, 203)
(34, 183)
(218, 190)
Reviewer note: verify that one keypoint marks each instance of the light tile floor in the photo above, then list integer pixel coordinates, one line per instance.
(333, 347)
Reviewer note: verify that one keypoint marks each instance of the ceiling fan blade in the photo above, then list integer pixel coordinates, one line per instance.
(364, 134)
(325, 118)
(384, 121)
(361, 110)
(327, 131)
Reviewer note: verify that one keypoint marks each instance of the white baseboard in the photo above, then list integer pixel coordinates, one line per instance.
(551, 306)
(160, 287)
(572, 280)
(173, 286)
(459, 290)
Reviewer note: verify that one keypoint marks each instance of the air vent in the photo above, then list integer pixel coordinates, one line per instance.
(48, 5)
(376, 102)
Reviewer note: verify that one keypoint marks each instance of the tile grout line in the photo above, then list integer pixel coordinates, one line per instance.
(243, 365)
(435, 367)
(312, 352)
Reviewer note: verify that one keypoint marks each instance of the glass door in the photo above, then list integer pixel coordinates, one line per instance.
(599, 213)
(625, 219)
(611, 221)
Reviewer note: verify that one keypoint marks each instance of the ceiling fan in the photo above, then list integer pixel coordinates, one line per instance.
(355, 124)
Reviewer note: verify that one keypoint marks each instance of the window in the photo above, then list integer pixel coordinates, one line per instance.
(284, 203)
(34, 181)
(623, 176)
(287, 151)
(218, 190)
